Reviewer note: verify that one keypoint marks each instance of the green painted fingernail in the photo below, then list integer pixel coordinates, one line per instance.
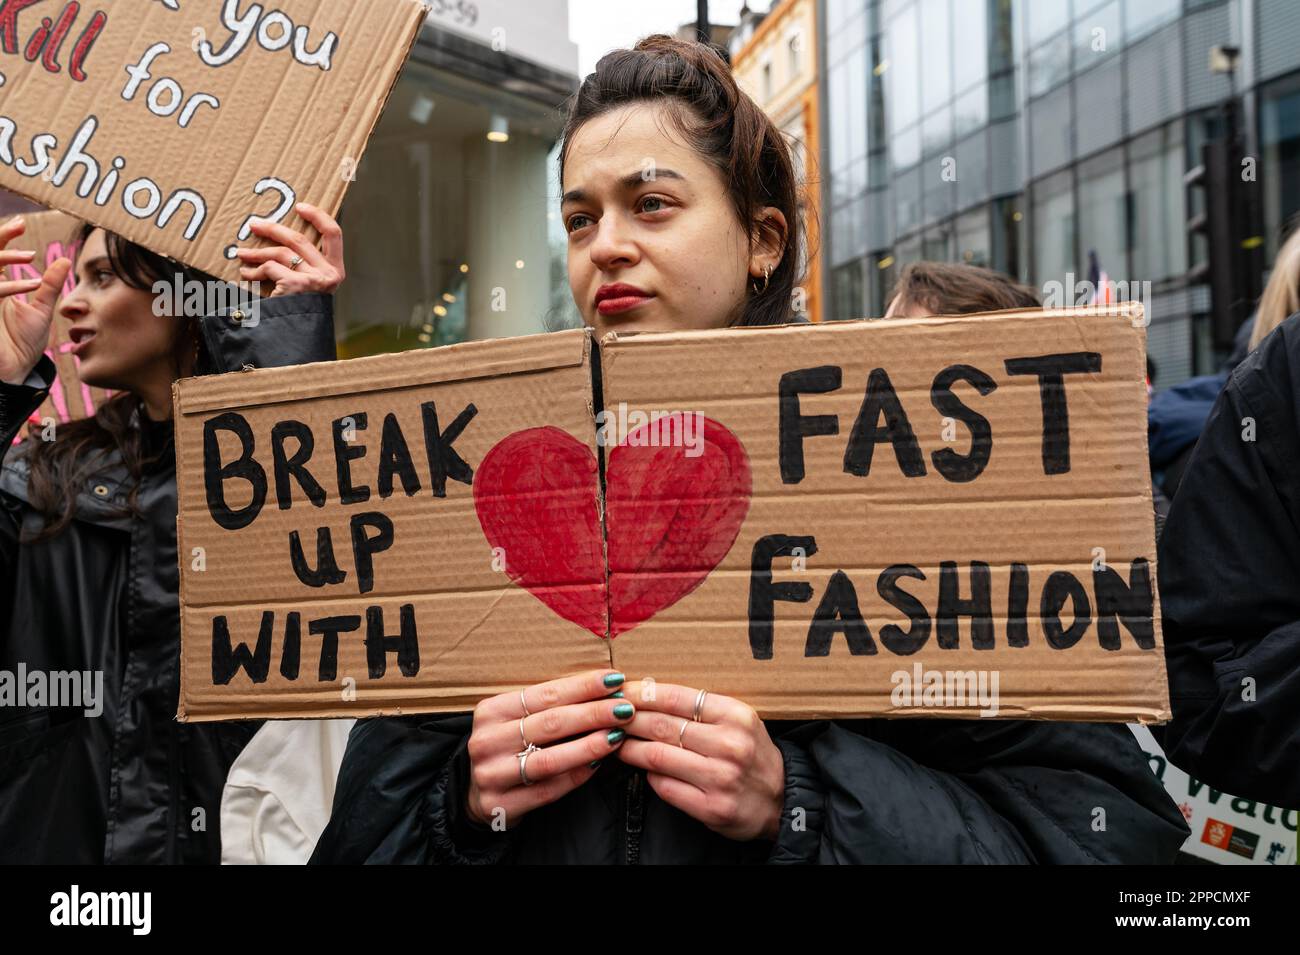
(614, 736)
(614, 679)
(617, 694)
(593, 764)
(624, 711)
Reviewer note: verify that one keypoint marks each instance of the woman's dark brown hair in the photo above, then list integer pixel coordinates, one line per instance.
(954, 288)
(724, 126)
(60, 468)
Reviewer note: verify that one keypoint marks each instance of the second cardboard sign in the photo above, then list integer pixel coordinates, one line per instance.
(919, 517)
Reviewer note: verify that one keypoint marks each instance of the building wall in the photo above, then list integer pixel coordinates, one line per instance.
(1027, 135)
(777, 68)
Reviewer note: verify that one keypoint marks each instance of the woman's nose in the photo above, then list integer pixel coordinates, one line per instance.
(72, 306)
(614, 245)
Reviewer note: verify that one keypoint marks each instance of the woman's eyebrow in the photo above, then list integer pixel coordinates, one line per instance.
(92, 264)
(634, 179)
(630, 181)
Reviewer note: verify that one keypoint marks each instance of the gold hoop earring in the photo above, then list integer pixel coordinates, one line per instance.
(767, 275)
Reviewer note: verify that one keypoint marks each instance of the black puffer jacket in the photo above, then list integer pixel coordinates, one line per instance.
(1230, 585)
(865, 791)
(130, 785)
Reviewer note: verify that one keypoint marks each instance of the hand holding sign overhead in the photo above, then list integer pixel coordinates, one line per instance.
(25, 325)
(296, 265)
(144, 120)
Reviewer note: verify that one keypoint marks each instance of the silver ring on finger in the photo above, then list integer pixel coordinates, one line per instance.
(524, 703)
(295, 262)
(681, 734)
(528, 747)
(699, 705)
(523, 764)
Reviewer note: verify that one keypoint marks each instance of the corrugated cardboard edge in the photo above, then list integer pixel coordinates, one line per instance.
(1131, 312)
(240, 389)
(565, 350)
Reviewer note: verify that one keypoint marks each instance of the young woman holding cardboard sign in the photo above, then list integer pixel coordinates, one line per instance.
(681, 208)
(88, 563)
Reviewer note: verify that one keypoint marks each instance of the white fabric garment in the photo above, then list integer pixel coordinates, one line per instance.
(277, 798)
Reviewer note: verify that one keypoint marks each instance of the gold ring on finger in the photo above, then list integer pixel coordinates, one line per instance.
(699, 705)
(681, 734)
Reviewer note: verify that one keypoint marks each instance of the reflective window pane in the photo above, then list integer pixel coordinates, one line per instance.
(1045, 17)
(902, 78)
(1097, 36)
(970, 43)
(1143, 16)
(1053, 229)
(1103, 215)
(936, 41)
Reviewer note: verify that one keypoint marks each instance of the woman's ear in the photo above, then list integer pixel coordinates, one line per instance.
(771, 235)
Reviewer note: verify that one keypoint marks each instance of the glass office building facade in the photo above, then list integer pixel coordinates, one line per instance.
(1028, 135)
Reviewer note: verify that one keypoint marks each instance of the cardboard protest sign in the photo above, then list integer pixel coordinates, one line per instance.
(943, 517)
(172, 122)
(52, 236)
(331, 554)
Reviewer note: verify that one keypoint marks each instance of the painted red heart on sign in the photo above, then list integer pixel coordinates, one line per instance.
(670, 517)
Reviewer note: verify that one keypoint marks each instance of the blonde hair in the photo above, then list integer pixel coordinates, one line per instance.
(1282, 294)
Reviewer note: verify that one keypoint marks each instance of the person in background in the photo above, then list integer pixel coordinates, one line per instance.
(88, 562)
(687, 776)
(927, 289)
(1229, 563)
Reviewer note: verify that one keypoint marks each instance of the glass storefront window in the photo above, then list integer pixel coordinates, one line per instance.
(1008, 223)
(1045, 17)
(1097, 36)
(1053, 228)
(846, 284)
(970, 43)
(907, 251)
(1158, 211)
(936, 46)
(1143, 16)
(905, 148)
(936, 132)
(1103, 215)
(885, 274)
(907, 200)
(856, 116)
(1049, 64)
(1279, 135)
(973, 237)
(936, 244)
(838, 96)
(971, 111)
(449, 235)
(902, 78)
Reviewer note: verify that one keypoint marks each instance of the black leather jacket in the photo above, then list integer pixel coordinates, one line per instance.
(130, 785)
